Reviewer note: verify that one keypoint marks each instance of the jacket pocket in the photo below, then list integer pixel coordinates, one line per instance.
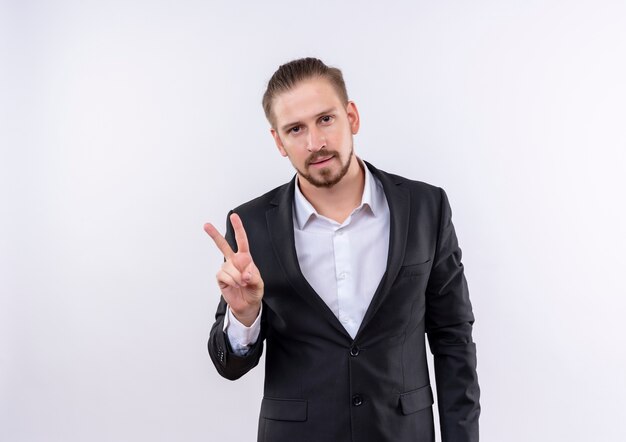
(416, 400)
(294, 410)
(414, 269)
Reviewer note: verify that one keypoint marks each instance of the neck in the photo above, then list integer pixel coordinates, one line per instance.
(338, 201)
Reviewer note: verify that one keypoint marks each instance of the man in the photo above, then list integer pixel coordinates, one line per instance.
(341, 272)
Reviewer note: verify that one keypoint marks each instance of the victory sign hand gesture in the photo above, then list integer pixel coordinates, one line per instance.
(238, 279)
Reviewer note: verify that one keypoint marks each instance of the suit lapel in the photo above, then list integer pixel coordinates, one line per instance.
(280, 225)
(399, 211)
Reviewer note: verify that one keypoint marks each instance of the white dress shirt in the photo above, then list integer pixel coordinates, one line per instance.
(343, 262)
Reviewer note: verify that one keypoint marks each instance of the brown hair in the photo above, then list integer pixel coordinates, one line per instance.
(290, 74)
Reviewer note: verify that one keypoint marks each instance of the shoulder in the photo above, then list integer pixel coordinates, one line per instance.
(419, 190)
(428, 203)
(261, 203)
(253, 212)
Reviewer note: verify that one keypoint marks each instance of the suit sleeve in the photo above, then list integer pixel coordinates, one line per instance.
(449, 320)
(228, 364)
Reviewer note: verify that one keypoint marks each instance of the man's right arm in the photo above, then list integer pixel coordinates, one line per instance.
(242, 289)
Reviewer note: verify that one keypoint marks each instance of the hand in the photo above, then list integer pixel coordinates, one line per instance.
(238, 279)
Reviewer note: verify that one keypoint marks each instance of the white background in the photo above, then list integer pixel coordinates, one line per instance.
(128, 124)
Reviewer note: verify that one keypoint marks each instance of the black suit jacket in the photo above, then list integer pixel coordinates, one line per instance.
(323, 386)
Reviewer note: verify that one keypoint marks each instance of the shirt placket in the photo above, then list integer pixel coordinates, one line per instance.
(344, 278)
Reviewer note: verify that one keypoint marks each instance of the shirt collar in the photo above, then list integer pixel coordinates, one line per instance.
(372, 194)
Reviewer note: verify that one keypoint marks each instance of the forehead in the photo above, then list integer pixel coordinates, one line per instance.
(305, 100)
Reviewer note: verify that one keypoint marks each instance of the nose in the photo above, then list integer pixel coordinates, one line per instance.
(316, 140)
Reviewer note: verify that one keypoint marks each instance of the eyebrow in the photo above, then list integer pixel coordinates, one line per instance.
(295, 123)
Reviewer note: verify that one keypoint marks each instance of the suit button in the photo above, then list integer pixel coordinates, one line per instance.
(357, 400)
(354, 351)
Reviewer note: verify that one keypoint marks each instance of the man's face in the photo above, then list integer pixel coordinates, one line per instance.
(314, 129)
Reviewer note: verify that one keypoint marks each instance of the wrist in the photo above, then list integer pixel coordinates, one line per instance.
(248, 315)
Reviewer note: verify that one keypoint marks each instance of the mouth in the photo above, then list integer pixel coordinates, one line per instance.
(322, 161)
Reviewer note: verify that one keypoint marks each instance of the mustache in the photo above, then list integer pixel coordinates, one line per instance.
(320, 154)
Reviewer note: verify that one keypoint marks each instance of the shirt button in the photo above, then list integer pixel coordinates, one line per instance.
(357, 400)
(342, 275)
(354, 351)
(345, 320)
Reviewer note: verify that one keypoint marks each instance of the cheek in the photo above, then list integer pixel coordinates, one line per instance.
(346, 139)
(297, 156)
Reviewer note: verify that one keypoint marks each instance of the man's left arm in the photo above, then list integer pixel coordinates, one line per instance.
(449, 320)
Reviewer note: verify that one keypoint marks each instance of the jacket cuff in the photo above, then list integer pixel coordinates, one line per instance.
(240, 337)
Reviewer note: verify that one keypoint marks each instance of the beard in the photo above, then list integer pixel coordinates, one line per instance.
(326, 178)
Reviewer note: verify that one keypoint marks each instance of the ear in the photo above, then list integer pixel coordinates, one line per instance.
(278, 141)
(353, 117)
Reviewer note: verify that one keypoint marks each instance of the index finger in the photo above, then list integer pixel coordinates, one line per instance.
(240, 233)
(219, 240)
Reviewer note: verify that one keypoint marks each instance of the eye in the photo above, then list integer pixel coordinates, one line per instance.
(326, 119)
(295, 130)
